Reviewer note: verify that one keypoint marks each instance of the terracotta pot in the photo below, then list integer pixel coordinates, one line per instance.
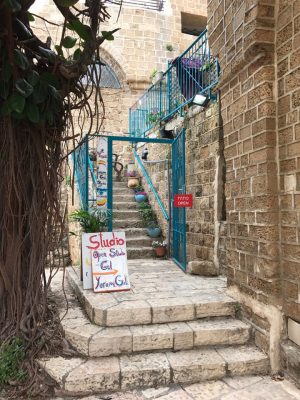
(160, 251)
(133, 182)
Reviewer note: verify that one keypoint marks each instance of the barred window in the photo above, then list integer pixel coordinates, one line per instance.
(102, 75)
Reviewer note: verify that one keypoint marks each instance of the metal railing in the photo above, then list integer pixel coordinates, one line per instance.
(194, 71)
(152, 188)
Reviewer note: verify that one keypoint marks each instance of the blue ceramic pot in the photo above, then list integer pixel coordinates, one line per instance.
(140, 197)
(154, 232)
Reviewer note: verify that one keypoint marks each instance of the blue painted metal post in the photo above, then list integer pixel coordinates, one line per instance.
(110, 182)
(86, 172)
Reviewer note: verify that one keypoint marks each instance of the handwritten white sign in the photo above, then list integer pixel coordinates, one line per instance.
(109, 262)
(86, 259)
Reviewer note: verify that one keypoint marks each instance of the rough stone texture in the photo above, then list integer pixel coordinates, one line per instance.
(144, 370)
(245, 360)
(94, 376)
(183, 336)
(291, 360)
(239, 388)
(110, 341)
(151, 337)
(161, 293)
(196, 365)
(58, 367)
(204, 268)
(225, 331)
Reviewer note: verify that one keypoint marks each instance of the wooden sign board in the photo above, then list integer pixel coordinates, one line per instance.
(183, 200)
(109, 262)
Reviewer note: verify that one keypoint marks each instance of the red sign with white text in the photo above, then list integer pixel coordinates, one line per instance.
(183, 200)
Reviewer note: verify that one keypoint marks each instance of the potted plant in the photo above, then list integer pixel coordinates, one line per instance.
(93, 220)
(153, 230)
(133, 179)
(139, 194)
(149, 219)
(160, 248)
(156, 76)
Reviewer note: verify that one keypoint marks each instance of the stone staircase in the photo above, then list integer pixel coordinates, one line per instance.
(170, 328)
(126, 218)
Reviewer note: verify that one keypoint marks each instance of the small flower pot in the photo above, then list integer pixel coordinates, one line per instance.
(160, 251)
(140, 197)
(133, 182)
(154, 232)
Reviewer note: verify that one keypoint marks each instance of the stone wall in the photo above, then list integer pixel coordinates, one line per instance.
(257, 43)
(204, 180)
(288, 138)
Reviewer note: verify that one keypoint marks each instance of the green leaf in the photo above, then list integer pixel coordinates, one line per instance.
(107, 35)
(40, 93)
(26, 32)
(17, 102)
(30, 17)
(21, 60)
(33, 78)
(24, 88)
(50, 79)
(47, 53)
(32, 112)
(14, 5)
(83, 31)
(68, 42)
(77, 54)
(66, 3)
(59, 50)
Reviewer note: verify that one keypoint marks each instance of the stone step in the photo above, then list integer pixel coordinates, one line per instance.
(147, 304)
(93, 341)
(136, 241)
(139, 252)
(122, 205)
(123, 197)
(133, 232)
(127, 223)
(127, 214)
(81, 376)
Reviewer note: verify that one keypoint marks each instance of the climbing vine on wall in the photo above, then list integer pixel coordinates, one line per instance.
(44, 102)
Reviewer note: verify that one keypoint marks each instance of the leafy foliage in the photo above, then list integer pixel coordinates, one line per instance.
(94, 220)
(147, 214)
(12, 355)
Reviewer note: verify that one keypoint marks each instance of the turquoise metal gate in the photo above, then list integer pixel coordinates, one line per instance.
(178, 214)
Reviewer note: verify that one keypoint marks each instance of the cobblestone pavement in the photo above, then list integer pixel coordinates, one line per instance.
(238, 388)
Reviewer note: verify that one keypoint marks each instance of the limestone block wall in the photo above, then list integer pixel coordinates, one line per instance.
(257, 43)
(288, 138)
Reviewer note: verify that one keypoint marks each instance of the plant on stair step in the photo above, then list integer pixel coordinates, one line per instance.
(140, 195)
(91, 221)
(149, 219)
(160, 248)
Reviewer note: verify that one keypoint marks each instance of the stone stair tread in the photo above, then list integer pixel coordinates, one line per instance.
(79, 376)
(94, 341)
(158, 302)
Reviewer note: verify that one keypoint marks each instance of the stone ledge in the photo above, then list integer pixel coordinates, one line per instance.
(291, 356)
(79, 376)
(179, 299)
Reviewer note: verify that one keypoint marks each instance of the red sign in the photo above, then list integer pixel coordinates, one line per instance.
(183, 200)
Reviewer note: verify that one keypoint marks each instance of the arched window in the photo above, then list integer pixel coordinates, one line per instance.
(108, 78)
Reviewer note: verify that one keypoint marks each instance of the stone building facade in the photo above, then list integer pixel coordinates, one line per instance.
(257, 43)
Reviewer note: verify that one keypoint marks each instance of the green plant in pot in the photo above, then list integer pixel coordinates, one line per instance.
(149, 219)
(160, 248)
(93, 220)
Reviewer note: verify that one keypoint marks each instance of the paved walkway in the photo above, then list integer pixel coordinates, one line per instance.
(238, 388)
